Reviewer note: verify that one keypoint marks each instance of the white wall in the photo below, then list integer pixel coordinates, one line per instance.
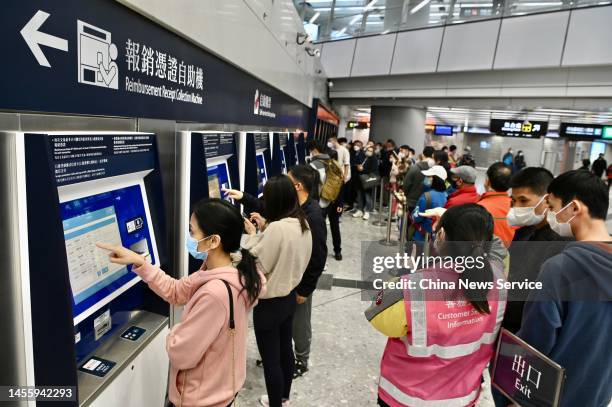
(259, 36)
(579, 37)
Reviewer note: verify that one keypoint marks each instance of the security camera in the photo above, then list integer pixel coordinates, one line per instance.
(313, 52)
(301, 38)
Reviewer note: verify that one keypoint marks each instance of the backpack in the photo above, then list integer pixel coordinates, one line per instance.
(334, 180)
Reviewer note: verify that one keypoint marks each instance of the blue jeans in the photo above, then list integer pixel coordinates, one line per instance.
(364, 200)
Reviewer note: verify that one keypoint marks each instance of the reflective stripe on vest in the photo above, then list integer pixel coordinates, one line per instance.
(412, 401)
(418, 314)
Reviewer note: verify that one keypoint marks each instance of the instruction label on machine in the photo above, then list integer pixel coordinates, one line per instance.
(97, 366)
(79, 158)
(217, 145)
(262, 141)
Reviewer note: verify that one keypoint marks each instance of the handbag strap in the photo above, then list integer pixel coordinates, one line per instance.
(232, 324)
(232, 332)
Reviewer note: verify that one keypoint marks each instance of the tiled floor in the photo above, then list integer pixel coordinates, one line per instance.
(346, 351)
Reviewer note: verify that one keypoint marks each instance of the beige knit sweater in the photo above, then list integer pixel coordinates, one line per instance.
(282, 251)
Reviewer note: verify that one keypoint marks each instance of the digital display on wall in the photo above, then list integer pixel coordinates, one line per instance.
(581, 130)
(518, 128)
(607, 133)
(443, 130)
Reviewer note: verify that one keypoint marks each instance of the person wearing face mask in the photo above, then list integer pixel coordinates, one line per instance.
(434, 196)
(368, 166)
(207, 349)
(305, 180)
(282, 249)
(413, 181)
(462, 179)
(357, 157)
(570, 319)
(343, 157)
(439, 360)
(528, 214)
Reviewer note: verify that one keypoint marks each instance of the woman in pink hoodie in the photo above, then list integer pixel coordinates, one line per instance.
(207, 349)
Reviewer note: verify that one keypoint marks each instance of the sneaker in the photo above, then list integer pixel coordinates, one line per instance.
(338, 256)
(265, 401)
(366, 216)
(358, 214)
(300, 369)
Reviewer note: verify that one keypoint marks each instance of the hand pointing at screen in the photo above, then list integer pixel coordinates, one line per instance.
(121, 255)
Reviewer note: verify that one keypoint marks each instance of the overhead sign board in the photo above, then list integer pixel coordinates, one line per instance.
(98, 57)
(580, 130)
(518, 128)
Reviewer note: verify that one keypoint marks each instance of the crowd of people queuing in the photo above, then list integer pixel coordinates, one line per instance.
(269, 258)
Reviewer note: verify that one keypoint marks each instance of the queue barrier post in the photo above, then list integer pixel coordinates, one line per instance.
(388, 241)
(404, 231)
(380, 221)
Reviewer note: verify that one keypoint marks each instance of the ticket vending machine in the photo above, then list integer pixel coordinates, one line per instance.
(209, 163)
(89, 323)
(278, 144)
(254, 161)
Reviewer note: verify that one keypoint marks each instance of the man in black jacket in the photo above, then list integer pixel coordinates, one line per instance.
(305, 178)
(529, 249)
(599, 166)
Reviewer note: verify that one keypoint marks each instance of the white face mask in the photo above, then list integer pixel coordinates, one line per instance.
(563, 229)
(525, 216)
(330, 145)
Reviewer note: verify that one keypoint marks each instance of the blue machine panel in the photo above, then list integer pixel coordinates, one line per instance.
(218, 178)
(262, 175)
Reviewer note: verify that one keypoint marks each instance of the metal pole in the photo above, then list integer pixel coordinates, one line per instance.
(426, 245)
(403, 231)
(388, 241)
(380, 221)
(374, 193)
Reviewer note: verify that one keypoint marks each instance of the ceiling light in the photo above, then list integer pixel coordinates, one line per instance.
(482, 5)
(370, 5)
(419, 6)
(539, 4)
(314, 18)
(357, 18)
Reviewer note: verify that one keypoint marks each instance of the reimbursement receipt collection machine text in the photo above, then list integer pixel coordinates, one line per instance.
(91, 324)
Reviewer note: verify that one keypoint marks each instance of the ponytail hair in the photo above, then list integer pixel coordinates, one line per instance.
(468, 231)
(251, 282)
(218, 217)
(478, 296)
